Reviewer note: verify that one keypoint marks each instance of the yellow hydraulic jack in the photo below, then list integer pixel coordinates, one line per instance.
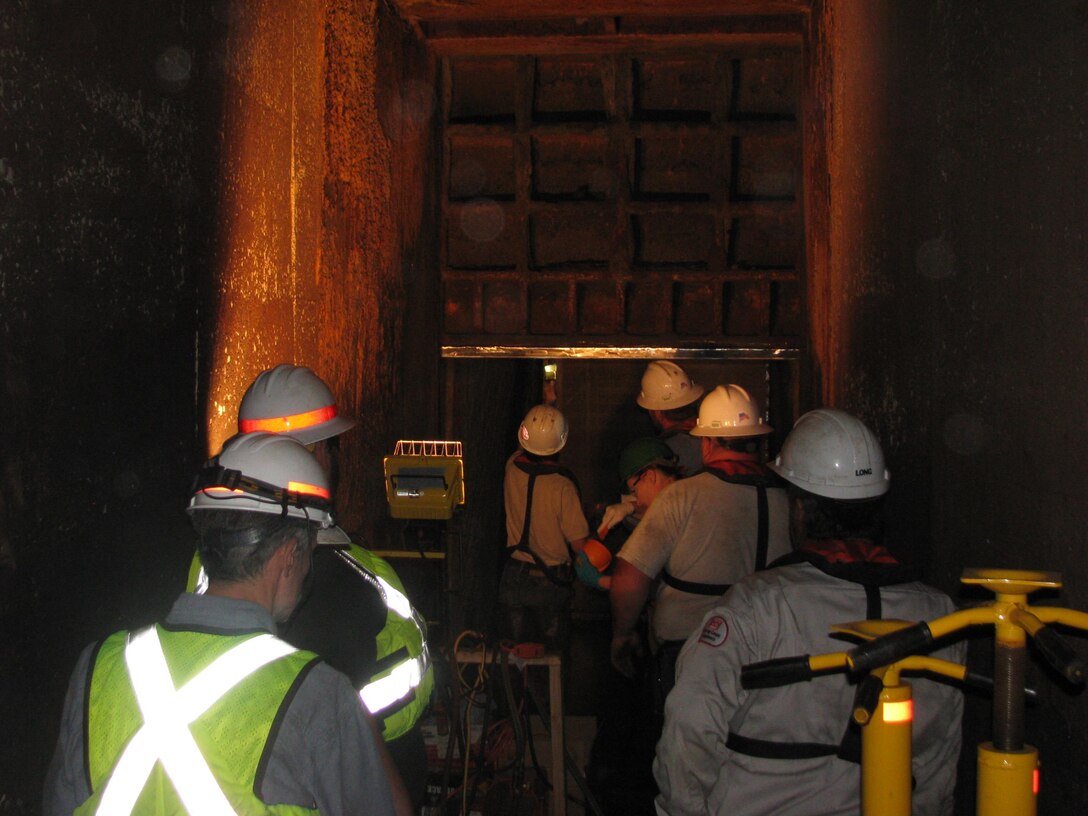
(883, 707)
(1008, 769)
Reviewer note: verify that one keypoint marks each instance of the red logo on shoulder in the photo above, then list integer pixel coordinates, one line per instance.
(715, 631)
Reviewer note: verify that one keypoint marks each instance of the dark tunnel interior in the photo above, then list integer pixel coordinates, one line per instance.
(876, 206)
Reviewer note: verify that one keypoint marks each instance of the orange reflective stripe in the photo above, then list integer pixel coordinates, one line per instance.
(900, 712)
(292, 487)
(307, 489)
(289, 423)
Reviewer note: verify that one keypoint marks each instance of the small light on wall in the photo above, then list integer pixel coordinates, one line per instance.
(549, 395)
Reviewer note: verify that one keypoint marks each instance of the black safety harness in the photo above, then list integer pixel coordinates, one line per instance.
(557, 574)
(870, 576)
(761, 481)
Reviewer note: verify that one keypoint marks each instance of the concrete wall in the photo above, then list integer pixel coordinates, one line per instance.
(189, 192)
(108, 195)
(957, 295)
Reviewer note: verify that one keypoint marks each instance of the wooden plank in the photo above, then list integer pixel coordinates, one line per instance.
(603, 44)
(515, 9)
(623, 346)
(625, 276)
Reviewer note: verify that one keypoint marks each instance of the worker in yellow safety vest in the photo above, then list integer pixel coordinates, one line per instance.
(210, 712)
(356, 613)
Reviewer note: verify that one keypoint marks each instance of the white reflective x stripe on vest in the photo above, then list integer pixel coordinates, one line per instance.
(167, 713)
(382, 693)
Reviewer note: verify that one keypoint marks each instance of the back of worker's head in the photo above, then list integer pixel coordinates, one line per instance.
(731, 418)
(667, 387)
(291, 400)
(260, 492)
(543, 432)
(835, 467)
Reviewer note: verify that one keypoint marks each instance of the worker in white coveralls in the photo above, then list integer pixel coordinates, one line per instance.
(791, 750)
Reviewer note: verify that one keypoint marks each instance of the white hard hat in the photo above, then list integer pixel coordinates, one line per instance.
(265, 473)
(832, 453)
(543, 431)
(666, 386)
(291, 400)
(728, 411)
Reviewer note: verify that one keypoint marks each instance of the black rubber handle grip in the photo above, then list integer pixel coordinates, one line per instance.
(781, 671)
(867, 697)
(1059, 654)
(883, 651)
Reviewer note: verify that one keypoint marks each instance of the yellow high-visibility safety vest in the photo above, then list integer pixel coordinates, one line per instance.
(152, 746)
(399, 691)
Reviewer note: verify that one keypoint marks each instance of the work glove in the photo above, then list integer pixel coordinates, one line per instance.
(615, 513)
(586, 572)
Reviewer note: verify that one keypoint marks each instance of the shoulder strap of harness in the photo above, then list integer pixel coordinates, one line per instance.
(760, 479)
(871, 577)
(535, 469)
(760, 482)
(546, 469)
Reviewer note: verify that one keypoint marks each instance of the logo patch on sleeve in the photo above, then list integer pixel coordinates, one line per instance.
(715, 631)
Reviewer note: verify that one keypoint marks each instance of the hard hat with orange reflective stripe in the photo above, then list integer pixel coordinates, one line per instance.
(265, 473)
(291, 400)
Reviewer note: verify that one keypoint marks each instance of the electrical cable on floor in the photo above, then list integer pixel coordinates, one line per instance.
(499, 759)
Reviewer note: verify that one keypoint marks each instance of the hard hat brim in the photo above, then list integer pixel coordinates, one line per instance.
(732, 433)
(829, 490)
(332, 537)
(326, 430)
(658, 405)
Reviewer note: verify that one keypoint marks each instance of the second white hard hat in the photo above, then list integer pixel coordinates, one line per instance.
(666, 386)
(265, 473)
(834, 454)
(291, 400)
(543, 431)
(729, 411)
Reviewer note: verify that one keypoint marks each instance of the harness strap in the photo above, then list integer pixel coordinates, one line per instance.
(849, 747)
(694, 587)
(874, 609)
(768, 749)
(752, 474)
(533, 469)
(762, 527)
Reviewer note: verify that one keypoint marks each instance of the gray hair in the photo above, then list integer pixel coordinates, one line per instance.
(235, 545)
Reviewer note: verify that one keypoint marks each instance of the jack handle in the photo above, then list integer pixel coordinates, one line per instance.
(919, 637)
(889, 649)
(784, 671)
(1051, 645)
